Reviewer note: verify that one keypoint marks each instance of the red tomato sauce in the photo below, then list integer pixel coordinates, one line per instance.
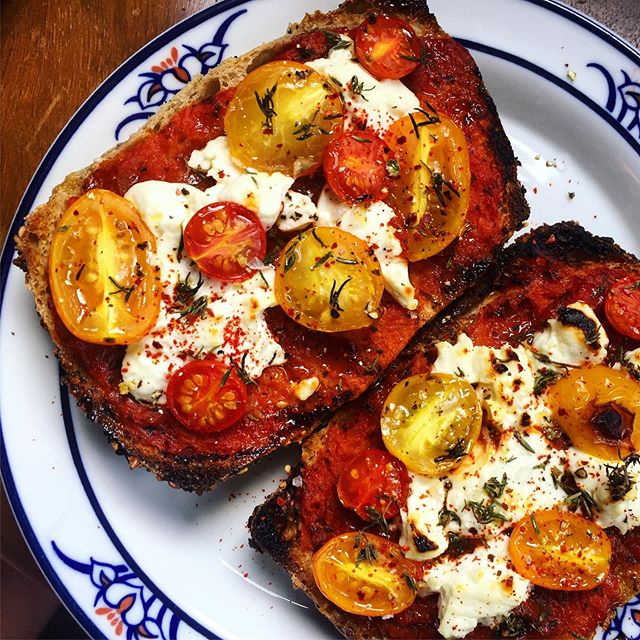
(345, 364)
(533, 291)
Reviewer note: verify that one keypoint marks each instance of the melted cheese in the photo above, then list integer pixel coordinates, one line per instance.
(477, 587)
(379, 104)
(233, 324)
(259, 191)
(371, 223)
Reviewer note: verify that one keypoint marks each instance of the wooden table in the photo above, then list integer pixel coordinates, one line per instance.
(54, 54)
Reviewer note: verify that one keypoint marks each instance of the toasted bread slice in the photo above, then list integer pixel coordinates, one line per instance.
(552, 265)
(152, 438)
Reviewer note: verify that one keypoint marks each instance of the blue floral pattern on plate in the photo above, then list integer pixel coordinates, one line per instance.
(124, 600)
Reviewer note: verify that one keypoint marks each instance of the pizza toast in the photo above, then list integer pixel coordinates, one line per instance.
(542, 273)
(340, 366)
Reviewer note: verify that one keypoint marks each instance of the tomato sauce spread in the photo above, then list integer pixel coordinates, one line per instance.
(346, 364)
(531, 292)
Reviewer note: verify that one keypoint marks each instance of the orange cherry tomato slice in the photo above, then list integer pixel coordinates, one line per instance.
(223, 238)
(355, 166)
(560, 550)
(102, 283)
(372, 584)
(622, 306)
(387, 48)
(599, 409)
(374, 479)
(205, 396)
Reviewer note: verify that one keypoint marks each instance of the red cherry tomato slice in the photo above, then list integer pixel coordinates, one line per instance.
(355, 166)
(205, 397)
(374, 479)
(222, 238)
(387, 48)
(622, 306)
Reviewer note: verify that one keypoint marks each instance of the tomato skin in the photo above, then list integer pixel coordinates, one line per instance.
(387, 48)
(578, 398)
(560, 550)
(281, 117)
(222, 238)
(432, 191)
(102, 283)
(355, 166)
(206, 397)
(374, 479)
(427, 417)
(329, 280)
(622, 306)
(371, 589)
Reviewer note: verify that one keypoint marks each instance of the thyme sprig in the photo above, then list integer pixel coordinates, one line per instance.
(334, 297)
(494, 488)
(358, 88)
(310, 129)
(455, 452)
(576, 498)
(619, 482)
(336, 41)
(543, 380)
(486, 511)
(197, 309)
(184, 292)
(266, 105)
(120, 288)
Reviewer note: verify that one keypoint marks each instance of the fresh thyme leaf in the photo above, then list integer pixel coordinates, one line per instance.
(373, 368)
(196, 309)
(242, 371)
(322, 260)
(547, 377)
(423, 59)
(128, 291)
(576, 498)
(633, 287)
(346, 260)
(485, 512)
(357, 87)
(80, 270)
(318, 238)
(334, 296)
(263, 278)
(411, 582)
(266, 105)
(393, 168)
(432, 118)
(361, 139)
(336, 41)
(494, 488)
(520, 438)
(445, 516)
(460, 372)
(335, 81)
(457, 451)
(438, 182)
(534, 524)
(63, 228)
(310, 129)
(226, 375)
(185, 292)
(377, 518)
(512, 626)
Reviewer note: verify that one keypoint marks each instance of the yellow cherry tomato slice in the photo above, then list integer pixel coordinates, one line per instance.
(560, 550)
(599, 409)
(431, 422)
(373, 583)
(281, 118)
(329, 280)
(432, 191)
(102, 281)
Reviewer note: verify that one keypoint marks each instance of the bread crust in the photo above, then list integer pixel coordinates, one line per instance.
(275, 526)
(203, 472)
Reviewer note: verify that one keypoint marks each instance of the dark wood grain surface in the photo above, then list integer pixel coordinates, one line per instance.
(53, 55)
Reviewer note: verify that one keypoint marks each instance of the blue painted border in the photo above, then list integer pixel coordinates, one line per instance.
(89, 105)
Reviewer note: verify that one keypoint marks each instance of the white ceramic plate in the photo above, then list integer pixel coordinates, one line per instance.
(132, 558)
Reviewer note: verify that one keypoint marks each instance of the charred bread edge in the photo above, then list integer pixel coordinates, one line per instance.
(273, 525)
(34, 238)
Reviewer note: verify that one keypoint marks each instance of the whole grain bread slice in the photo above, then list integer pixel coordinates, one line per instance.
(202, 471)
(279, 527)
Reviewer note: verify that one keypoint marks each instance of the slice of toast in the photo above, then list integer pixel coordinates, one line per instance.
(152, 438)
(550, 267)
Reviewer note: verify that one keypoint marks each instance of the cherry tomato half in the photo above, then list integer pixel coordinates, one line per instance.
(355, 166)
(599, 409)
(560, 550)
(102, 283)
(387, 47)
(329, 280)
(374, 479)
(431, 422)
(373, 584)
(222, 238)
(281, 117)
(432, 192)
(206, 397)
(622, 306)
